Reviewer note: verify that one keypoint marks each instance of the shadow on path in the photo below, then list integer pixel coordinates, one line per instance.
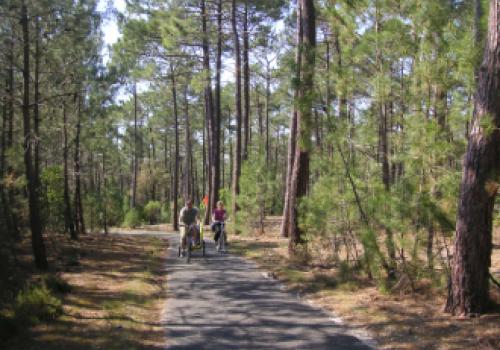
(224, 302)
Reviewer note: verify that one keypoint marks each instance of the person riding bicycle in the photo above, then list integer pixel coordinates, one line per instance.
(218, 218)
(188, 220)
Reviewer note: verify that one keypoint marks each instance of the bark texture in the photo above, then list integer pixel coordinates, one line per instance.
(469, 285)
(237, 150)
(34, 207)
(175, 184)
(292, 139)
(300, 170)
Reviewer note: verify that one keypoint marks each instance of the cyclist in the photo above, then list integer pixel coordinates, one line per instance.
(218, 218)
(188, 221)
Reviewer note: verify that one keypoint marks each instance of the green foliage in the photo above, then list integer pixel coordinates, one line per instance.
(53, 182)
(152, 212)
(132, 218)
(35, 304)
(113, 201)
(166, 213)
(257, 189)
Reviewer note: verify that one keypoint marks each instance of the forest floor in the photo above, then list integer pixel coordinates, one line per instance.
(396, 320)
(117, 293)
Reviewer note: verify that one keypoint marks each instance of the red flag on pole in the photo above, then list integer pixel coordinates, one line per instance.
(205, 200)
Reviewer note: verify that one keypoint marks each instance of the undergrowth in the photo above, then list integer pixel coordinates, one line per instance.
(36, 303)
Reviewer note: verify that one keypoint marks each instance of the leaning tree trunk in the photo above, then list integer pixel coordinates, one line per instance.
(237, 150)
(33, 195)
(468, 292)
(300, 171)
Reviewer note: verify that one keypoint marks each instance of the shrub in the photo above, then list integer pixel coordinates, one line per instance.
(52, 179)
(35, 304)
(257, 190)
(166, 214)
(132, 218)
(152, 211)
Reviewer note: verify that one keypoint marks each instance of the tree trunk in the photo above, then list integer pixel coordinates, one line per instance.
(188, 155)
(68, 218)
(133, 201)
(246, 84)
(218, 112)
(36, 109)
(328, 95)
(104, 196)
(292, 138)
(176, 165)
(166, 189)
(7, 210)
(33, 199)
(79, 221)
(209, 116)
(268, 101)
(153, 151)
(342, 98)
(383, 154)
(469, 287)
(204, 150)
(237, 150)
(300, 170)
(7, 201)
(10, 133)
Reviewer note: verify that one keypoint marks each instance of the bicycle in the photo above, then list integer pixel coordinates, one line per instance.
(191, 243)
(220, 244)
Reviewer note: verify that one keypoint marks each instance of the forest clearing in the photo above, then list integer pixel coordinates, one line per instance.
(348, 153)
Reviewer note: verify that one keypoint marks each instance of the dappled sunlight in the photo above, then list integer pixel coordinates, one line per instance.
(116, 301)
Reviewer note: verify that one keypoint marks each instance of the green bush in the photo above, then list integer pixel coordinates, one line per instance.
(152, 211)
(52, 179)
(257, 190)
(132, 218)
(35, 304)
(166, 214)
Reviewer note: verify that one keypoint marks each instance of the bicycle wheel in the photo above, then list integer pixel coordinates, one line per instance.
(223, 242)
(188, 253)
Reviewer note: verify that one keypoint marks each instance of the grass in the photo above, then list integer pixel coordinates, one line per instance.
(402, 320)
(111, 299)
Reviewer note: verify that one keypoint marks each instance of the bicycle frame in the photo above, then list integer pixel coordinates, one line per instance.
(221, 242)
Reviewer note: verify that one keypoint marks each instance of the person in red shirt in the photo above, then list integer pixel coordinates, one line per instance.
(218, 217)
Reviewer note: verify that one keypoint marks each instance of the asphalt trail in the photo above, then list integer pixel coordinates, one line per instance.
(225, 302)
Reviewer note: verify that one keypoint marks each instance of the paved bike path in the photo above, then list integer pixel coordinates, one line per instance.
(225, 302)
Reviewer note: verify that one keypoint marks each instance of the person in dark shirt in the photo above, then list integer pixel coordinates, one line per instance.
(188, 219)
